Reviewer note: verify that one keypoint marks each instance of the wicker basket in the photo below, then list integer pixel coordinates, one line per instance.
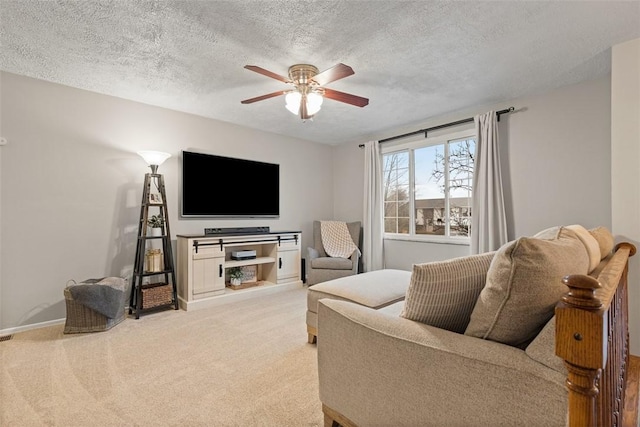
(81, 319)
(156, 294)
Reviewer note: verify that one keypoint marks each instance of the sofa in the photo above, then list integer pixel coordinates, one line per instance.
(474, 341)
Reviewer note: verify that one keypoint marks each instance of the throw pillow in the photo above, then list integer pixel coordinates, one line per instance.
(605, 240)
(590, 244)
(524, 283)
(443, 294)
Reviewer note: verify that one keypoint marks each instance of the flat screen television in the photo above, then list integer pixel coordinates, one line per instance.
(217, 186)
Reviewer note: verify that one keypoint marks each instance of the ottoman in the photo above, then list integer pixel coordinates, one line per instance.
(374, 289)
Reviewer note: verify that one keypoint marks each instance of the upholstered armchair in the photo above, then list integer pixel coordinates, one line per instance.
(320, 267)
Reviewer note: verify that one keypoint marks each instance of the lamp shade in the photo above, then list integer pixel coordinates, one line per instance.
(292, 100)
(154, 157)
(314, 102)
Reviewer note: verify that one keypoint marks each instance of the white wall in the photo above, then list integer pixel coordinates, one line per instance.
(625, 161)
(555, 159)
(559, 158)
(348, 182)
(71, 184)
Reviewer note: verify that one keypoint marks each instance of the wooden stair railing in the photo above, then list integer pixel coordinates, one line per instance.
(592, 336)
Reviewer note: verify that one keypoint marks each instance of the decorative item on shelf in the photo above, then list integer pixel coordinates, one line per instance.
(154, 261)
(155, 199)
(249, 273)
(155, 223)
(235, 275)
(156, 294)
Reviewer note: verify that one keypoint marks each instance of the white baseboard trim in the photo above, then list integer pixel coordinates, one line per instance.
(17, 329)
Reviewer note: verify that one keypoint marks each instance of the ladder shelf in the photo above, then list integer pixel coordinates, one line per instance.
(153, 287)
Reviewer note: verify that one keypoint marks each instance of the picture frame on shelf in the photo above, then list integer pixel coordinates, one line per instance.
(249, 274)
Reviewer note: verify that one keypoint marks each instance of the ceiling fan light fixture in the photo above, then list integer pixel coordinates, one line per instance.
(314, 102)
(292, 100)
(305, 100)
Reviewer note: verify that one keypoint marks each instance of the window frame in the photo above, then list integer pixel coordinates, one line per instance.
(441, 138)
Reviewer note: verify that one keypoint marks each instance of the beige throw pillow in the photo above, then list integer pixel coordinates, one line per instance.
(605, 240)
(590, 243)
(443, 294)
(524, 283)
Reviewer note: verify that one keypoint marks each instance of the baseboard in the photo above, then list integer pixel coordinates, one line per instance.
(32, 326)
(23, 328)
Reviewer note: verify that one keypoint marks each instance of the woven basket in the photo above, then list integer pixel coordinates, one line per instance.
(156, 294)
(81, 319)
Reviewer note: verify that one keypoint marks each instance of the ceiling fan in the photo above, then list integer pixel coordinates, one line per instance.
(305, 99)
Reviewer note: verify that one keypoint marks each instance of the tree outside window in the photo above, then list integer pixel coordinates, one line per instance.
(396, 193)
(438, 181)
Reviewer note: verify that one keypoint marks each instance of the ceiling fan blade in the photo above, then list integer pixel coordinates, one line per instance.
(263, 97)
(337, 72)
(358, 101)
(267, 73)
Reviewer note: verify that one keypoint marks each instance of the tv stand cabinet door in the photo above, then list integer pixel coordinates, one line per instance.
(208, 272)
(288, 262)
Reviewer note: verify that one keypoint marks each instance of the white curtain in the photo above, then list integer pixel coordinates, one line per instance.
(488, 219)
(373, 221)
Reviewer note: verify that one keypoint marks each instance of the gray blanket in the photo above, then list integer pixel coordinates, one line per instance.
(106, 296)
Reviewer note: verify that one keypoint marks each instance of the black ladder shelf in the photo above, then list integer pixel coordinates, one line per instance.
(142, 280)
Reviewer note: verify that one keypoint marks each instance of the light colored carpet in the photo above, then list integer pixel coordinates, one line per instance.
(247, 363)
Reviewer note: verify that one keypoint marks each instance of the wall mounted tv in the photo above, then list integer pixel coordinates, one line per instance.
(226, 187)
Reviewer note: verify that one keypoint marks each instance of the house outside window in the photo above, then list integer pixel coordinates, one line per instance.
(427, 188)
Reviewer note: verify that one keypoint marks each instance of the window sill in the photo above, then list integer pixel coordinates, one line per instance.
(462, 241)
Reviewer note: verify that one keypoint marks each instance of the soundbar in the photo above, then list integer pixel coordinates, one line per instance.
(235, 230)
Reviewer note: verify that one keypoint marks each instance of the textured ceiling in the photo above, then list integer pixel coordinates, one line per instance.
(412, 59)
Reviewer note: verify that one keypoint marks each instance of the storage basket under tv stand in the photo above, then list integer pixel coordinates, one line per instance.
(204, 259)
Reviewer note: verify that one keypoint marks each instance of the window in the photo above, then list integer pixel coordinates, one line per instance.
(427, 187)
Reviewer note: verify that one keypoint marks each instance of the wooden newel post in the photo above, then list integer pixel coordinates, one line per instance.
(580, 334)
(583, 392)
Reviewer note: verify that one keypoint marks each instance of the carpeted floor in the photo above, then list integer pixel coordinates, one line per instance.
(243, 364)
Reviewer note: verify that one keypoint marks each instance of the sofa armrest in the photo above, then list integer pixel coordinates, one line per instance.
(379, 369)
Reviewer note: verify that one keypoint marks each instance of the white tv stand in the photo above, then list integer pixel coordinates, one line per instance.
(203, 260)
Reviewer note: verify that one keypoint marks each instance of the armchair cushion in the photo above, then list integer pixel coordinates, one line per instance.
(524, 283)
(332, 263)
(443, 294)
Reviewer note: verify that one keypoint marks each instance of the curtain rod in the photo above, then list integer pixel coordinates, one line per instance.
(446, 125)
